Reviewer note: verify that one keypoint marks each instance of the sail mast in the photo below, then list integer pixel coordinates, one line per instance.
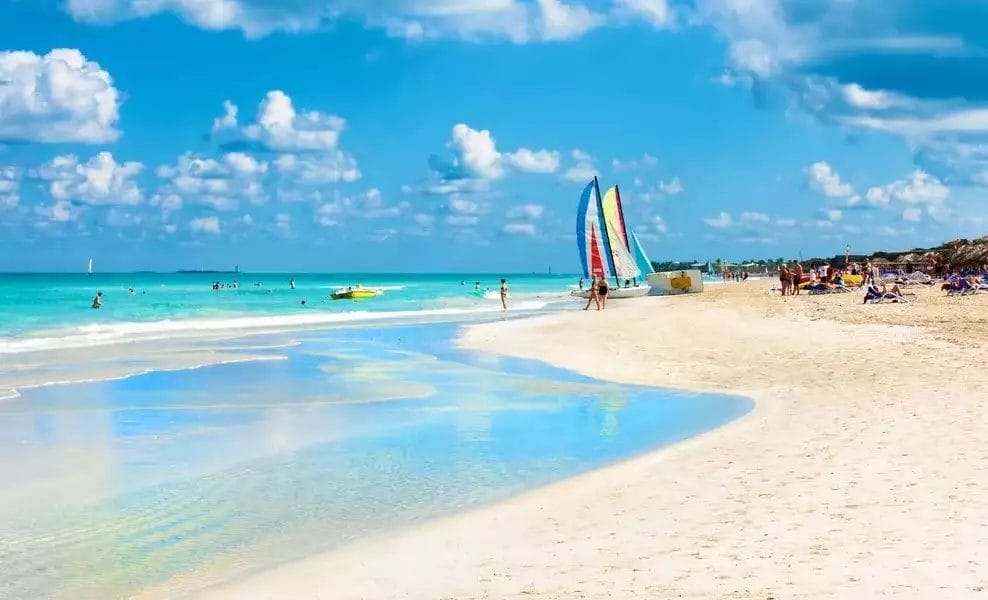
(620, 211)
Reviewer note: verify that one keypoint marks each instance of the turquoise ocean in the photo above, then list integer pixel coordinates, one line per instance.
(244, 429)
(47, 311)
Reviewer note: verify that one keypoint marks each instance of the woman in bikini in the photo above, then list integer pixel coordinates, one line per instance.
(593, 297)
(785, 279)
(602, 292)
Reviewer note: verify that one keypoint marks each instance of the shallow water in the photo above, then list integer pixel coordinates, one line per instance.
(172, 481)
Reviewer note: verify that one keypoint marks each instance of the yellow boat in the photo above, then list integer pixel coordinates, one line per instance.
(354, 294)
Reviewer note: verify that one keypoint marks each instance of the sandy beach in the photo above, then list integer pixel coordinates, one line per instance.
(860, 473)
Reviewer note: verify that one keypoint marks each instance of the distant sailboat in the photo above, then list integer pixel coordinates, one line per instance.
(602, 241)
(90, 267)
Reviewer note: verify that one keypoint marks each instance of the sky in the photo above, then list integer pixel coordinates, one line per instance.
(457, 135)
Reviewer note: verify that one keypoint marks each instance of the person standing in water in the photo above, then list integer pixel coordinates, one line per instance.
(98, 300)
(504, 295)
(291, 284)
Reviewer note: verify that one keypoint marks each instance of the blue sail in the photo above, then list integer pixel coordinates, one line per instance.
(581, 229)
(641, 259)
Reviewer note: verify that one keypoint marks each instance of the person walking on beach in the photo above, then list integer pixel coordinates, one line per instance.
(602, 292)
(593, 297)
(504, 295)
(785, 279)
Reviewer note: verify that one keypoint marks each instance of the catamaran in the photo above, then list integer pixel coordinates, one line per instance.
(606, 250)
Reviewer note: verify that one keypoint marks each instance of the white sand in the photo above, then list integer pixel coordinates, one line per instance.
(862, 472)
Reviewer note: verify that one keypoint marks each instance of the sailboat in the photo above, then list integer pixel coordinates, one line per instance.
(604, 246)
(89, 269)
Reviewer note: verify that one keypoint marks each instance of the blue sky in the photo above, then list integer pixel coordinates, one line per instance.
(456, 135)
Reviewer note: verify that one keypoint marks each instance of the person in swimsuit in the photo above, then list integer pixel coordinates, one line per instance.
(98, 300)
(785, 279)
(797, 278)
(602, 292)
(504, 295)
(593, 298)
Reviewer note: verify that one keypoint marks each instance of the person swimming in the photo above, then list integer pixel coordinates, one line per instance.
(98, 300)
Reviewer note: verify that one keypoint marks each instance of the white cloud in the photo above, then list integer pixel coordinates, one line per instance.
(834, 214)
(919, 188)
(659, 224)
(245, 163)
(655, 12)
(785, 222)
(912, 214)
(721, 221)
(474, 20)
(58, 97)
(584, 169)
(859, 97)
(327, 167)
(561, 21)
(279, 127)
(646, 160)
(461, 220)
(120, 218)
(247, 220)
(283, 224)
(205, 225)
(822, 177)
(535, 161)
(755, 217)
(100, 180)
(671, 188)
(531, 212)
(328, 214)
(476, 151)
(9, 187)
(220, 184)
(476, 161)
(526, 229)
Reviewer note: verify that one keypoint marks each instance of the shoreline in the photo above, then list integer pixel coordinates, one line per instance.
(834, 485)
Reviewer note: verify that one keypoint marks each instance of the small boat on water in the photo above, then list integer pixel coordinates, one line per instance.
(355, 293)
(606, 249)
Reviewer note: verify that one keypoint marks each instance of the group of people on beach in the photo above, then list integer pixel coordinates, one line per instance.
(735, 276)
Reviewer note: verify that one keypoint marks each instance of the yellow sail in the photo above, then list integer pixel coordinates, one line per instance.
(624, 263)
(612, 217)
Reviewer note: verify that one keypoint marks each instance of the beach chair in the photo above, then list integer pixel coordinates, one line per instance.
(961, 287)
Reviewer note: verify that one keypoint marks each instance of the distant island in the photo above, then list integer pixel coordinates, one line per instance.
(235, 270)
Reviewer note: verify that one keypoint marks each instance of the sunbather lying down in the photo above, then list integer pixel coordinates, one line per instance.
(873, 294)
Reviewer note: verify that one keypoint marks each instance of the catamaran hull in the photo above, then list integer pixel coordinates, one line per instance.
(625, 292)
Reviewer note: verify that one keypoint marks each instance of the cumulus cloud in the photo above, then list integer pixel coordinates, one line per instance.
(646, 160)
(529, 212)
(523, 229)
(919, 188)
(9, 187)
(534, 161)
(57, 97)
(721, 221)
(220, 184)
(328, 167)
(205, 225)
(822, 177)
(671, 188)
(517, 21)
(655, 12)
(754, 217)
(99, 181)
(912, 214)
(476, 161)
(583, 170)
(279, 127)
